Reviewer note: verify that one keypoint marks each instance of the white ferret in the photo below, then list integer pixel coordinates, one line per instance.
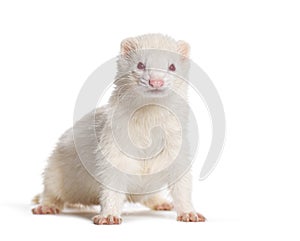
(151, 74)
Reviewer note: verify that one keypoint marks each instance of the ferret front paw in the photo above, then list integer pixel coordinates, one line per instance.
(164, 207)
(45, 210)
(106, 220)
(191, 217)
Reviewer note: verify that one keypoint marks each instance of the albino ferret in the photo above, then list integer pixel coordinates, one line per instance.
(152, 70)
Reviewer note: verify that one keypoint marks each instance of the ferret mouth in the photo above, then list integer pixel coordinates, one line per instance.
(151, 91)
(160, 92)
(156, 90)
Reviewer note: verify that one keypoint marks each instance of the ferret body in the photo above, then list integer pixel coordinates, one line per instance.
(84, 170)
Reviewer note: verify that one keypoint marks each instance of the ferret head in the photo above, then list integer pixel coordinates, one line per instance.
(152, 65)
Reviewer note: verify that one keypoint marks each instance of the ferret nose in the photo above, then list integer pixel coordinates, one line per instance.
(156, 83)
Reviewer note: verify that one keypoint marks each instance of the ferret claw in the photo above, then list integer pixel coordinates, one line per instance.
(191, 217)
(106, 220)
(45, 210)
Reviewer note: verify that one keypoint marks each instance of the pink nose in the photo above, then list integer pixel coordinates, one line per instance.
(156, 83)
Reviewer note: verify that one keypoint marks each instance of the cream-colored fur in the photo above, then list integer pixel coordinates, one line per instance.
(66, 179)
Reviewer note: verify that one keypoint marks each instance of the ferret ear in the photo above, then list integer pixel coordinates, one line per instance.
(183, 48)
(128, 45)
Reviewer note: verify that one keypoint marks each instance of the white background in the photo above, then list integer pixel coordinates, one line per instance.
(251, 51)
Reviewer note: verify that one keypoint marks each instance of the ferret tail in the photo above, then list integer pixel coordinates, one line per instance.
(36, 199)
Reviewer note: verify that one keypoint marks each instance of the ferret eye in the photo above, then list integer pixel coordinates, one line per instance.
(172, 67)
(141, 66)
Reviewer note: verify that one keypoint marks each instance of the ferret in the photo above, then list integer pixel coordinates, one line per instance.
(152, 70)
